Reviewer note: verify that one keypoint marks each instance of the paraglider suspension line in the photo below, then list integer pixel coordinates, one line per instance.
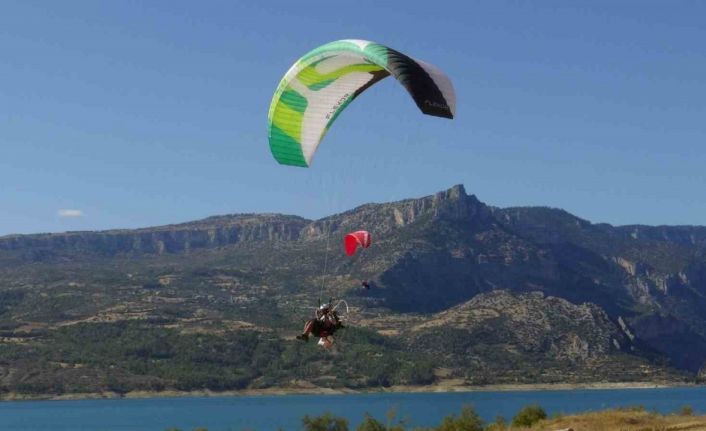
(323, 275)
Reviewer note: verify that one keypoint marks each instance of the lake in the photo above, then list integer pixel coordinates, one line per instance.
(264, 413)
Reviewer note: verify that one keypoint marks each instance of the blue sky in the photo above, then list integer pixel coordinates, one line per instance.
(136, 113)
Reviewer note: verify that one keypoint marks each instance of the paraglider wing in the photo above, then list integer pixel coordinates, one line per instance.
(319, 86)
(353, 240)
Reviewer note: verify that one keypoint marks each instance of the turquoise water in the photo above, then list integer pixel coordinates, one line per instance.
(265, 413)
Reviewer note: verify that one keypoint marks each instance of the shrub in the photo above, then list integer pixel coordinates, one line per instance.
(529, 416)
(686, 411)
(499, 425)
(467, 421)
(371, 424)
(325, 422)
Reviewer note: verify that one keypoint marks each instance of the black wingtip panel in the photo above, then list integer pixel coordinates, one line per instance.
(419, 84)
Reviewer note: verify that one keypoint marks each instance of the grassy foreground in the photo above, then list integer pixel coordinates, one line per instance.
(623, 420)
(532, 418)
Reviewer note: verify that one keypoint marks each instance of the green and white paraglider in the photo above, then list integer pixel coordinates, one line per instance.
(319, 86)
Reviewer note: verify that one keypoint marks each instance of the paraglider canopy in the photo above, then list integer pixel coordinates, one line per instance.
(353, 240)
(319, 86)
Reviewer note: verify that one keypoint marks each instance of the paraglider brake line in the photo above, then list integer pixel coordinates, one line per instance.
(342, 301)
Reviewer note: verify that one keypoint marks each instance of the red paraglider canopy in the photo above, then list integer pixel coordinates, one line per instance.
(354, 239)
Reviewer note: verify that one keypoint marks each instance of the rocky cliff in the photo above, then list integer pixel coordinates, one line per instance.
(181, 238)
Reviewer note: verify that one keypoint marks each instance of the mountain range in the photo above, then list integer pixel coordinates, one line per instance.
(460, 292)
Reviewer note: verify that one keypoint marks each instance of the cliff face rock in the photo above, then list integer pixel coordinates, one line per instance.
(454, 250)
(381, 219)
(690, 236)
(672, 335)
(209, 233)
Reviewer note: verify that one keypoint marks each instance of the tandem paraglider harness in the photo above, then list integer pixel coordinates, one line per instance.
(325, 322)
(328, 320)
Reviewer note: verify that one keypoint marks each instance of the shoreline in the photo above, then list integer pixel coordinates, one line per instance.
(315, 390)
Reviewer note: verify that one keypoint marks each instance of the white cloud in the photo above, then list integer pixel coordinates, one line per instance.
(69, 213)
